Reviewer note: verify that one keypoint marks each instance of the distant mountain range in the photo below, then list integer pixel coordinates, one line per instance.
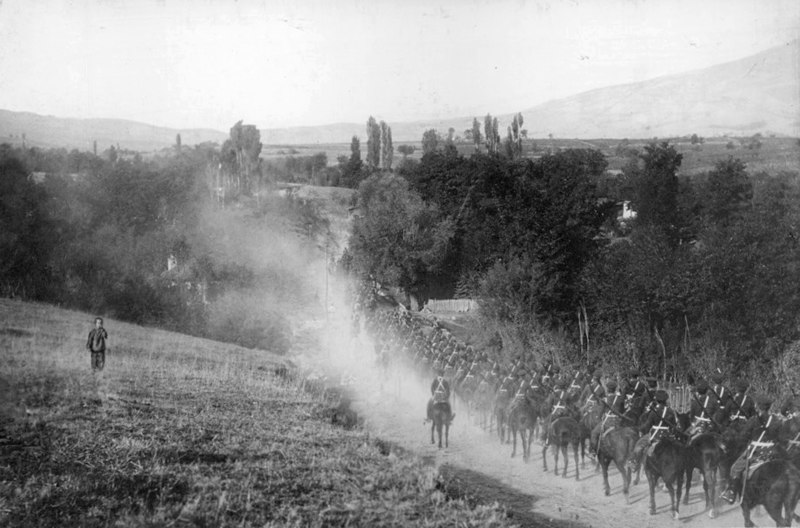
(760, 93)
(49, 131)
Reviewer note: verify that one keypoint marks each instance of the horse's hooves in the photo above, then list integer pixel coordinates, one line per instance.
(608, 492)
(652, 511)
(675, 515)
(712, 514)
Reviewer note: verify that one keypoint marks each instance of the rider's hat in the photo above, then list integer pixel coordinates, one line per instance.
(701, 386)
(633, 373)
(597, 374)
(717, 377)
(763, 401)
(651, 381)
(742, 385)
(611, 386)
(561, 384)
(661, 396)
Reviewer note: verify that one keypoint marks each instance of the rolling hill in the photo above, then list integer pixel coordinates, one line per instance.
(760, 93)
(50, 131)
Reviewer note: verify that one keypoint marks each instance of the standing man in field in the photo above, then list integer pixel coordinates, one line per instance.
(96, 345)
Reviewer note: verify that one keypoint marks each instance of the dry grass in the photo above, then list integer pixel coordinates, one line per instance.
(182, 431)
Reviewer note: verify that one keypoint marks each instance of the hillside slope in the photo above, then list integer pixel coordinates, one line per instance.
(186, 431)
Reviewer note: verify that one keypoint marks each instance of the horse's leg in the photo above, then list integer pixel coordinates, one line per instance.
(651, 481)
(678, 489)
(673, 503)
(748, 522)
(604, 462)
(575, 453)
(513, 427)
(439, 426)
(711, 497)
(689, 474)
(544, 457)
(523, 437)
(447, 434)
(625, 473)
(774, 507)
(433, 428)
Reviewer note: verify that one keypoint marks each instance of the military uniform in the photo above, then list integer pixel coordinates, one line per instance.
(741, 406)
(764, 431)
(658, 422)
(440, 393)
(613, 405)
(703, 408)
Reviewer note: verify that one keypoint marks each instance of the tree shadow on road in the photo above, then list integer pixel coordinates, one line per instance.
(476, 487)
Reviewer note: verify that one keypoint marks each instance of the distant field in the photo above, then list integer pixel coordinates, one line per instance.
(189, 432)
(774, 155)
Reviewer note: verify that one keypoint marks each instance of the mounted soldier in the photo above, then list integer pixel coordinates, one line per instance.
(718, 390)
(764, 431)
(593, 393)
(658, 422)
(702, 410)
(633, 389)
(649, 393)
(613, 405)
(741, 406)
(440, 394)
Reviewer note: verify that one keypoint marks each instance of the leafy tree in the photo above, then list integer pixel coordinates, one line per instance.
(353, 168)
(656, 188)
(373, 144)
(244, 146)
(476, 133)
(430, 141)
(387, 150)
(728, 191)
(406, 150)
(24, 230)
(398, 239)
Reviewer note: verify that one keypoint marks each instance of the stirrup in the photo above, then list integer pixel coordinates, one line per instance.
(728, 496)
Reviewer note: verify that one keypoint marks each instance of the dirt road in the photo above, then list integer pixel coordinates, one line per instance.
(393, 406)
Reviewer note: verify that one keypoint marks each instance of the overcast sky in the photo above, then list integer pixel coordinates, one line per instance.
(188, 64)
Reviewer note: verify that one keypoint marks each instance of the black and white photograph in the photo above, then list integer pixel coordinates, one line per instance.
(384, 263)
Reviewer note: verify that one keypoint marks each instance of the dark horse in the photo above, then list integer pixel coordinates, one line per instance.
(502, 401)
(562, 432)
(776, 486)
(705, 453)
(522, 418)
(666, 461)
(441, 419)
(617, 445)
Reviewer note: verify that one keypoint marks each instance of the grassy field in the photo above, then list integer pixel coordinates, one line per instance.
(774, 155)
(182, 431)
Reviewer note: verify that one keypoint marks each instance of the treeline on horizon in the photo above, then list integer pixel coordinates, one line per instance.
(96, 233)
(706, 276)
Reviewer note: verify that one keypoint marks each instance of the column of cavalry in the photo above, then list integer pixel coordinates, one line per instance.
(727, 433)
